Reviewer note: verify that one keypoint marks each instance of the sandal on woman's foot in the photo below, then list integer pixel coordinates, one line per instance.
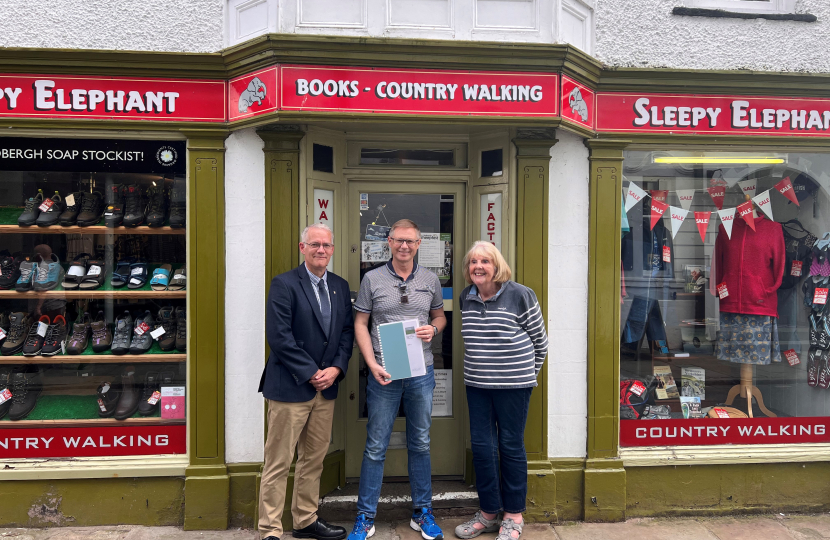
(468, 529)
(508, 526)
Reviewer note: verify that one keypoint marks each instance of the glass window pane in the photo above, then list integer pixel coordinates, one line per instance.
(491, 162)
(392, 156)
(323, 158)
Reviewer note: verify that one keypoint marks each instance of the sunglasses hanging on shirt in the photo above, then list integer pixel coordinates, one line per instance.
(404, 296)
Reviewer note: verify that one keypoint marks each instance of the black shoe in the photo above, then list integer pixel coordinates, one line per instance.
(31, 210)
(55, 339)
(9, 271)
(167, 320)
(150, 395)
(181, 329)
(114, 212)
(135, 207)
(108, 396)
(271, 538)
(91, 209)
(158, 207)
(70, 214)
(19, 323)
(128, 403)
(178, 203)
(4, 328)
(34, 341)
(321, 531)
(26, 388)
(50, 216)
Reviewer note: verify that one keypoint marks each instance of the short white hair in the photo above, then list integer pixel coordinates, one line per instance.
(323, 226)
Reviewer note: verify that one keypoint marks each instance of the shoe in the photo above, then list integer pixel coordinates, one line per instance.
(181, 329)
(135, 207)
(55, 339)
(364, 527)
(123, 334)
(109, 394)
(91, 209)
(142, 343)
(423, 520)
(121, 274)
(77, 271)
(5, 391)
(4, 326)
(101, 334)
(128, 403)
(321, 531)
(157, 211)
(167, 320)
(69, 216)
(49, 274)
(148, 404)
(28, 270)
(114, 211)
(178, 203)
(9, 271)
(468, 530)
(36, 337)
(19, 324)
(81, 331)
(26, 388)
(51, 215)
(96, 274)
(31, 210)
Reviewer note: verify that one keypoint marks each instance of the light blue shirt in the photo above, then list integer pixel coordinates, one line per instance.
(314, 282)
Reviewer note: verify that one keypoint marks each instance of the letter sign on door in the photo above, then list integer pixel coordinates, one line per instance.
(324, 210)
(491, 218)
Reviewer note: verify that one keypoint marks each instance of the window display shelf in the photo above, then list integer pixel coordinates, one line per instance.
(95, 229)
(90, 422)
(94, 294)
(96, 359)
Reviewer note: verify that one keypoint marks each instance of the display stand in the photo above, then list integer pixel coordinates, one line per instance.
(748, 390)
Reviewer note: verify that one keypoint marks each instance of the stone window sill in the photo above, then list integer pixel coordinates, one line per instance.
(720, 14)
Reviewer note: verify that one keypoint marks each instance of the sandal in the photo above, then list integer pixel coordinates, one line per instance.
(95, 274)
(507, 528)
(121, 274)
(468, 530)
(179, 281)
(161, 277)
(76, 272)
(138, 275)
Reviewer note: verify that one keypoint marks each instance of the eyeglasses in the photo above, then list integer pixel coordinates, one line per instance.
(400, 241)
(316, 245)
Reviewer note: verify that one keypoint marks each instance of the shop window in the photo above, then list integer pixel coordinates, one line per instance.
(407, 156)
(725, 333)
(491, 162)
(323, 158)
(93, 289)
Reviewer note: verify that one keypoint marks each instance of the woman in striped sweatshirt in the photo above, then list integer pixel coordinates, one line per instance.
(505, 344)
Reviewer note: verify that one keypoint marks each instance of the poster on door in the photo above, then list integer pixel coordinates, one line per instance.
(491, 218)
(442, 395)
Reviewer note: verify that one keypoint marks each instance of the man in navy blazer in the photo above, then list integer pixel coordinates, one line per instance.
(310, 328)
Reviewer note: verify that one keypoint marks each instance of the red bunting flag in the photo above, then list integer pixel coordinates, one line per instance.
(785, 186)
(657, 210)
(702, 222)
(717, 193)
(661, 195)
(745, 211)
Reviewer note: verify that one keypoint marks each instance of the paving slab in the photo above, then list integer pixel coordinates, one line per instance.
(124, 532)
(748, 528)
(639, 529)
(807, 527)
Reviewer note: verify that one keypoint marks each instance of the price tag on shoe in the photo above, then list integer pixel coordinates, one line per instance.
(69, 200)
(2, 334)
(638, 388)
(154, 398)
(141, 328)
(157, 333)
(820, 296)
(666, 254)
(94, 270)
(5, 395)
(792, 357)
(47, 204)
(796, 268)
(722, 291)
(721, 413)
(101, 405)
(42, 327)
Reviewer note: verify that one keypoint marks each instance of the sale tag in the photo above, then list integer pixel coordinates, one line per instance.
(101, 405)
(792, 357)
(638, 388)
(657, 211)
(2, 334)
(41, 328)
(721, 412)
(820, 296)
(796, 269)
(47, 204)
(69, 200)
(157, 333)
(722, 292)
(5, 395)
(141, 328)
(666, 254)
(702, 222)
(154, 398)
(94, 270)
(137, 270)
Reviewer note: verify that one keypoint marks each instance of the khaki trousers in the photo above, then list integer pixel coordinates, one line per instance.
(306, 427)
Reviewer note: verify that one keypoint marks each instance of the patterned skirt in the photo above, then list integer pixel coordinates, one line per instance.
(748, 339)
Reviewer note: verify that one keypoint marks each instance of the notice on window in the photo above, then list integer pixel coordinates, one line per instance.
(375, 252)
(442, 395)
(431, 252)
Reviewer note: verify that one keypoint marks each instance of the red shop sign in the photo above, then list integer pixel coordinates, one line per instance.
(92, 441)
(669, 113)
(253, 94)
(578, 103)
(711, 431)
(412, 91)
(112, 98)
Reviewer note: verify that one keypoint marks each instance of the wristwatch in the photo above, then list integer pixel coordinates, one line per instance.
(436, 330)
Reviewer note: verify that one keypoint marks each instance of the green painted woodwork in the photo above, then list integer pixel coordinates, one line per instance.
(605, 492)
(243, 499)
(206, 502)
(76, 502)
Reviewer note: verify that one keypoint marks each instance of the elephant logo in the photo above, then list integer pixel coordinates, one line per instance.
(578, 105)
(254, 93)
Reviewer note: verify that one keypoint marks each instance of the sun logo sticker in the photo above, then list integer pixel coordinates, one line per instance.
(167, 156)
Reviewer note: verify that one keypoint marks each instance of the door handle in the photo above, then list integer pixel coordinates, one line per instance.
(351, 396)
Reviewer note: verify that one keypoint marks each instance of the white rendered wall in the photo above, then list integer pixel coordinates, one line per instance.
(244, 296)
(645, 34)
(568, 291)
(146, 25)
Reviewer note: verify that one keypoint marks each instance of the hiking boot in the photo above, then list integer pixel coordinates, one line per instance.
(50, 216)
(109, 395)
(9, 271)
(181, 329)
(151, 394)
(157, 211)
(31, 210)
(28, 271)
(142, 343)
(101, 334)
(81, 331)
(167, 320)
(128, 403)
(5, 390)
(36, 337)
(55, 339)
(91, 208)
(135, 207)
(26, 386)
(69, 216)
(114, 212)
(48, 274)
(123, 334)
(19, 323)
(178, 203)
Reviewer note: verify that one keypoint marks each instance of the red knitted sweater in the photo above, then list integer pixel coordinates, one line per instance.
(752, 266)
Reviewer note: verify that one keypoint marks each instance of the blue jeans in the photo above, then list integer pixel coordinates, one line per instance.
(497, 427)
(644, 317)
(383, 403)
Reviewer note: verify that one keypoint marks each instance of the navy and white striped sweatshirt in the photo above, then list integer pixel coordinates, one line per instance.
(505, 342)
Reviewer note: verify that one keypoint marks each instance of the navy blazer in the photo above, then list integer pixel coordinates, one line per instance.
(299, 347)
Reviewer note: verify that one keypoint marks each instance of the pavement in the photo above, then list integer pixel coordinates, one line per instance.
(761, 527)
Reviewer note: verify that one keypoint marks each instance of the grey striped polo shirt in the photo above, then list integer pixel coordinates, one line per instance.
(380, 295)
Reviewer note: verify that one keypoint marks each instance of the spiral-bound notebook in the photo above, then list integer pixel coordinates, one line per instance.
(402, 350)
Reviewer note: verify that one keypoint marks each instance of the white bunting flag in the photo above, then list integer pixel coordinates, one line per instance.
(727, 218)
(686, 196)
(748, 187)
(677, 217)
(762, 201)
(633, 195)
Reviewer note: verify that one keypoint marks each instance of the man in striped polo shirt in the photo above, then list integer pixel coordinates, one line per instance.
(398, 291)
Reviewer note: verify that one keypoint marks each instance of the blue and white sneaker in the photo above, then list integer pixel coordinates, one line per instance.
(423, 520)
(28, 270)
(364, 527)
(48, 274)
